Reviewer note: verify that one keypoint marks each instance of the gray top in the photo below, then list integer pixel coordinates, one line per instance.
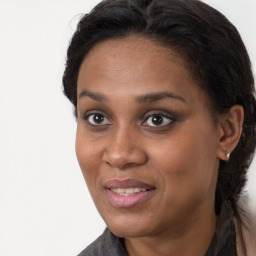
(106, 245)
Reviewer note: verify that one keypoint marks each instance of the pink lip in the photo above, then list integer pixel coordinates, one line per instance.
(120, 201)
(128, 183)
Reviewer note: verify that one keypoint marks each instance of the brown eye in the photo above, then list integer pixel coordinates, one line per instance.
(97, 119)
(158, 120)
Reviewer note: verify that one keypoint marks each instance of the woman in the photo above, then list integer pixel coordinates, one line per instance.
(165, 105)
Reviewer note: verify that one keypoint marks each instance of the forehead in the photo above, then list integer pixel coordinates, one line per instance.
(131, 56)
(135, 44)
(135, 65)
(133, 49)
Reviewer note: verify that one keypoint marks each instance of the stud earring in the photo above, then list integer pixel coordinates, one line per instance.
(228, 156)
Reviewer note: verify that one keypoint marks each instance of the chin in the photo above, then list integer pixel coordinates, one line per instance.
(125, 227)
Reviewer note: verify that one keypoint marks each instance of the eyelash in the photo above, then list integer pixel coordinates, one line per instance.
(87, 117)
(170, 119)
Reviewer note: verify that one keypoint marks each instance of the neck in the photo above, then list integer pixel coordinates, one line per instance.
(190, 238)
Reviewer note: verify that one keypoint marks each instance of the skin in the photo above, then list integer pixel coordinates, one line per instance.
(179, 155)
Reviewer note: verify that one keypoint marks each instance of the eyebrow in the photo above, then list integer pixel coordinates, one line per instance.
(93, 95)
(152, 97)
(147, 98)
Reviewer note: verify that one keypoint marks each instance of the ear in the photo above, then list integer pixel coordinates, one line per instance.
(231, 126)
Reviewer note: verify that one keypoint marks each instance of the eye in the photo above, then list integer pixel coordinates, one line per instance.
(96, 119)
(157, 120)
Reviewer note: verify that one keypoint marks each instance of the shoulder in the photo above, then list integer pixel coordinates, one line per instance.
(250, 233)
(105, 245)
(248, 230)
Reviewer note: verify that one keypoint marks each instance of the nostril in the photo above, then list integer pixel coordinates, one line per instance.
(126, 160)
(124, 152)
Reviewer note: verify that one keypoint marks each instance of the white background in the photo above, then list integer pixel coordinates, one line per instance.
(45, 208)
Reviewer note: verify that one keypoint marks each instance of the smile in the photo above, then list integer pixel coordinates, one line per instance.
(127, 191)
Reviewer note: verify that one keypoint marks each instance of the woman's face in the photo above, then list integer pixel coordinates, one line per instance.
(146, 141)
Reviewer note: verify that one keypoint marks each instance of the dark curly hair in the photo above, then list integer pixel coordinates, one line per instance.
(212, 48)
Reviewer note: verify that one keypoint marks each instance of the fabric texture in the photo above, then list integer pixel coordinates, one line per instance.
(106, 245)
(223, 243)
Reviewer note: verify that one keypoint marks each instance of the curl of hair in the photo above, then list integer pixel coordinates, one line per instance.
(210, 45)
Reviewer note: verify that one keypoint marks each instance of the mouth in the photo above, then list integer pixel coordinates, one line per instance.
(127, 193)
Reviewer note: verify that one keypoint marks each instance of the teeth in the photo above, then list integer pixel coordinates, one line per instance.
(127, 191)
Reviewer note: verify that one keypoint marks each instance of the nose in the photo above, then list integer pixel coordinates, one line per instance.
(124, 150)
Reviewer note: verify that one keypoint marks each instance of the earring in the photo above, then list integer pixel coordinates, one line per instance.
(228, 156)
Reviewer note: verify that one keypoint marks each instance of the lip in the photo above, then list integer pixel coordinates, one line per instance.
(127, 183)
(121, 201)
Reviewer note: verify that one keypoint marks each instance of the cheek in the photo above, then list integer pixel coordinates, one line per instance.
(188, 165)
(88, 156)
